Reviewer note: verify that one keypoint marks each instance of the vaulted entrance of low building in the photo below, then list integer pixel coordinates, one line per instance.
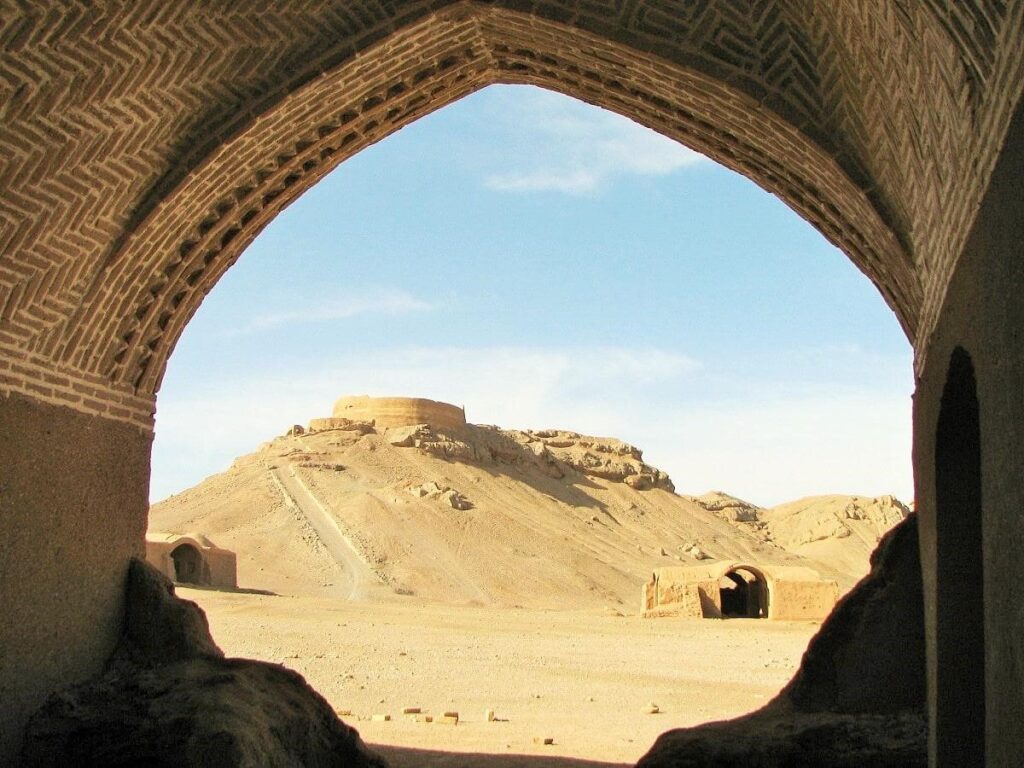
(743, 594)
(188, 564)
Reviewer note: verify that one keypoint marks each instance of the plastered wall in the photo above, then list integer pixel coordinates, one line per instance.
(984, 315)
(73, 502)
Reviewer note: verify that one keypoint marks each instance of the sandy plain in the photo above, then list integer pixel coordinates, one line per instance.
(497, 570)
(581, 678)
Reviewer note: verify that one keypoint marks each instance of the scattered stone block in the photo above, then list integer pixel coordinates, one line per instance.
(489, 715)
(411, 710)
(449, 718)
(423, 718)
(543, 740)
(651, 709)
(381, 718)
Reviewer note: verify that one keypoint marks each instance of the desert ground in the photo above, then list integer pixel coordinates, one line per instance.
(476, 570)
(581, 678)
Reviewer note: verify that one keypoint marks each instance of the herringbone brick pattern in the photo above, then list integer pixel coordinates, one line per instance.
(144, 144)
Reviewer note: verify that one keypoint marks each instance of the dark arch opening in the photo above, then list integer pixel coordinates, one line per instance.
(743, 594)
(960, 647)
(188, 564)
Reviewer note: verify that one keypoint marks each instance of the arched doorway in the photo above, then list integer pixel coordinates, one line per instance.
(188, 564)
(960, 648)
(743, 593)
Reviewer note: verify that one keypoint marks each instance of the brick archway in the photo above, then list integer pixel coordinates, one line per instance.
(144, 144)
(137, 308)
(204, 224)
(781, 94)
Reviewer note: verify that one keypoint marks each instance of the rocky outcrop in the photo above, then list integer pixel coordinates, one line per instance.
(811, 519)
(728, 507)
(796, 741)
(345, 425)
(858, 698)
(606, 458)
(869, 656)
(169, 698)
(441, 429)
(433, 490)
(159, 627)
(819, 518)
(552, 452)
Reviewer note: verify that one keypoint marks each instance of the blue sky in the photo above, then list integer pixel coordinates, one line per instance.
(549, 264)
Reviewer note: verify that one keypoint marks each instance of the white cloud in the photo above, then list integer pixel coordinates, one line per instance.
(375, 302)
(762, 442)
(774, 451)
(571, 181)
(577, 150)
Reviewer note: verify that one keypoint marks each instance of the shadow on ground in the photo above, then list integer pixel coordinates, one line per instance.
(237, 590)
(407, 757)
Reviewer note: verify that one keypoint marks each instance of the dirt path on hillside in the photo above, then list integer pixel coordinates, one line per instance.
(362, 582)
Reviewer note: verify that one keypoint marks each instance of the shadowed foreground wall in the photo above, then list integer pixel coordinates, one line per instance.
(73, 501)
(170, 698)
(984, 315)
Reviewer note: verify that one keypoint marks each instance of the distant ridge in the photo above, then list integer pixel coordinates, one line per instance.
(375, 508)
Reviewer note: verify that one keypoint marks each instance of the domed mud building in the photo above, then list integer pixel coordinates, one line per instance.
(143, 145)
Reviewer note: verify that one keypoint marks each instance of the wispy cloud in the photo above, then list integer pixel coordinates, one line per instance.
(573, 149)
(572, 181)
(770, 451)
(374, 302)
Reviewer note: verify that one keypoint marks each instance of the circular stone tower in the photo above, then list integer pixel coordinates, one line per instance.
(386, 412)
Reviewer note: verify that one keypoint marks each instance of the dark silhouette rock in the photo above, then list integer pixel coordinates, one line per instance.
(858, 699)
(869, 655)
(169, 698)
(797, 740)
(160, 627)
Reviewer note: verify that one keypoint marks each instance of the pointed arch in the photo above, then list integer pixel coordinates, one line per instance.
(139, 304)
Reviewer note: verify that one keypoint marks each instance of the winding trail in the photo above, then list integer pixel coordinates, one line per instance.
(362, 581)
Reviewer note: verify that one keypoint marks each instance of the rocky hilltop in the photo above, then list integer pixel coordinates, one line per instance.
(833, 532)
(368, 508)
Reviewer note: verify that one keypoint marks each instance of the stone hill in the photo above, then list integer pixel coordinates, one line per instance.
(363, 506)
(833, 532)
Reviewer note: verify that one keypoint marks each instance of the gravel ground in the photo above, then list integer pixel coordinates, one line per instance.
(582, 679)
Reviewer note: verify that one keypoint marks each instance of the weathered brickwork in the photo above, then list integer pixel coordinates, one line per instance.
(143, 145)
(43, 380)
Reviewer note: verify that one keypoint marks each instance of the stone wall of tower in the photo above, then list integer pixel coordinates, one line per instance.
(400, 411)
